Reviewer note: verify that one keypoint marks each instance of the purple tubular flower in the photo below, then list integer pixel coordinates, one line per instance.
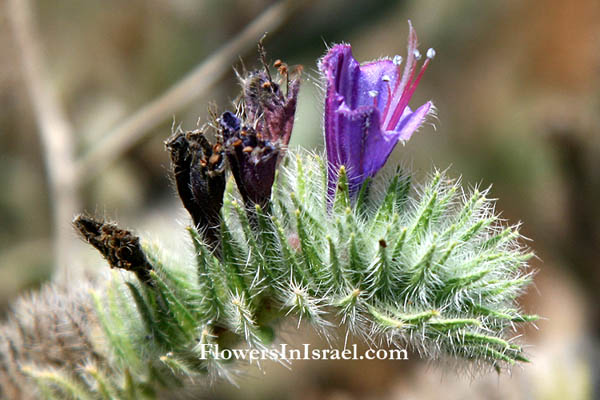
(366, 109)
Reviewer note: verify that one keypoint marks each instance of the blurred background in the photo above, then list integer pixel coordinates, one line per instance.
(90, 90)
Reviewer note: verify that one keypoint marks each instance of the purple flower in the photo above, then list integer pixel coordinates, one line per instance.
(366, 109)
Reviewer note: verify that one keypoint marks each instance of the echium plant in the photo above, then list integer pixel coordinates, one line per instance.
(331, 240)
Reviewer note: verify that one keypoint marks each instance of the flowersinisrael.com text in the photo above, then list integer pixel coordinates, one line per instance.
(284, 353)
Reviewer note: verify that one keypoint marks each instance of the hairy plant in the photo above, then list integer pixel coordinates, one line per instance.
(432, 268)
(429, 266)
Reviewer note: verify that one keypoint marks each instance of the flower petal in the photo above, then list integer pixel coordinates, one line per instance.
(378, 77)
(342, 72)
(411, 122)
(355, 82)
(351, 149)
(366, 111)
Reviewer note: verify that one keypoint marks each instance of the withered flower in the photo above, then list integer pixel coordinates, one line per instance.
(266, 107)
(199, 170)
(120, 247)
(256, 138)
(252, 159)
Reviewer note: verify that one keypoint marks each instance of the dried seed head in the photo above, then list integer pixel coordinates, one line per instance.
(120, 247)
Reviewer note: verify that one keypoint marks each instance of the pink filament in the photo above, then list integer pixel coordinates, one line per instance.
(407, 93)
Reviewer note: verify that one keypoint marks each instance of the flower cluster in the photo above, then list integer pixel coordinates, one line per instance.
(366, 109)
(250, 143)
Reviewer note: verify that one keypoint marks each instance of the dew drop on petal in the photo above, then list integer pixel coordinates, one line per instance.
(431, 53)
(373, 93)
(397, 60)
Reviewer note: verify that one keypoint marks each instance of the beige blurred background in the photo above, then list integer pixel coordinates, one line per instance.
(90, 89)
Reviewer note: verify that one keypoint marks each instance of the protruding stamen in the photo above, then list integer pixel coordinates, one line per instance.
(430, 53)
(397, 60)
(283, 71)
(417, 54)
(262, 53)
(406, 95)
(374, 94)
(387, 79)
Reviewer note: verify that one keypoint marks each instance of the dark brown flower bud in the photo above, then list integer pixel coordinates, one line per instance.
(120, 247)
(199, 170)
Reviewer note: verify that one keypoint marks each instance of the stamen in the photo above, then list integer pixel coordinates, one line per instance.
(406, 96)
(283, 71)
(396, 102)
(262, 53)
(430, 53)
(399, 91)
(374, 94)
(397, 60)
(386, 79)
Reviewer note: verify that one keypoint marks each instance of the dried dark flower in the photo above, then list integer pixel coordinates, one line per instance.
(120, 247)
(266, 107)
(252, 159)
(199, 170)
